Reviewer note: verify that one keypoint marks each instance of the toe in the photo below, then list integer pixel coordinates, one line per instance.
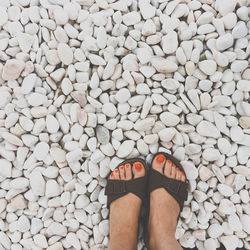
(138, 169)
(168, 168)
(128, 172)
(158, 163)
(178, 174)
(116, 174)
(112, 176)
(122, 172)
(183, 178)
(173, 171)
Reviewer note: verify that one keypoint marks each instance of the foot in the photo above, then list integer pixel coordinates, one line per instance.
(124, 212)
(164, 209)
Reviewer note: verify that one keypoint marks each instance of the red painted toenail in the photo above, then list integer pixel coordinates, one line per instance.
(160, 158)
(127, 165)
(116, 170)
(173, 165)
(183, 173)
(122, 167)
(138, 166)
(112, 174)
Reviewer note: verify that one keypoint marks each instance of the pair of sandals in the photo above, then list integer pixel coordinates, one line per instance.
(151, 181)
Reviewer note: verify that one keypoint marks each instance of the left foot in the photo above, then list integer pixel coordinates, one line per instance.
(124, 212)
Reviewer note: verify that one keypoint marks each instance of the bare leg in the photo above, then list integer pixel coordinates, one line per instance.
(164, 210)
(124, 212)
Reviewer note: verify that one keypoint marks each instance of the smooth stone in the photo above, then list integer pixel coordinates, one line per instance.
(225, 190)
(190, 170)
(28, 83)
(243, 154)
(41, 151)
(65, 53)
(227, 207)
(37, 183)
(224, 42)
(230, 242)
(109, 110)
(192, 149)
(102, 134)
(131, 18)
(52, 189)
(205, 173)
(125, 148)
(206, 128)
(208, 67)
(234, 222)
(6, 167)
(169, 119)
(211, 154)
(163, 65)
(215, 230)
(123, 95)
(144, 125)
(170, 42)
(224, 145)
(12, 69)
(166, 134)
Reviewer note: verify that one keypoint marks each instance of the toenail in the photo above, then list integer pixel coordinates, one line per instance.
(127, 165)
(168, 161)
(160, 158)
(121, 167)
(173, 165)
(116, 170)
(112, 174)
(183, 173)
(138, 166)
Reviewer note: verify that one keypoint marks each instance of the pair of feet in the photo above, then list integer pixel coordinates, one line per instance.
(164, 209)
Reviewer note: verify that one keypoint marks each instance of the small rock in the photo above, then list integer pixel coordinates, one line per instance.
(208, 67)
(12, 69)
(102, 134)
(52, 189)
(5, 169)
(125, 148)
(211, 154)
(163, 65)
(169, 119)
(206, 128)
(65, 53)
(41, 151)
(131, 18)
(215, 230)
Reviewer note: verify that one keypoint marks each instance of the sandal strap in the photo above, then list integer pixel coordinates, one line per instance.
(118, 188)
(176, 188)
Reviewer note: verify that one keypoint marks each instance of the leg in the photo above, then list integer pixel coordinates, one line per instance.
(164, 210)
(124, 212)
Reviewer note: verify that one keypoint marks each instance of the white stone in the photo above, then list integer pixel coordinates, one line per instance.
(144, 125)
(225, 190)
(224, 145)
(206, 128)
(12, 69)
(65, 53)
(56, 228)
(211, 154)
(215, 230)
(61, 16)
(205, 173)
(224, 42)
(109, 110)
(240, 30)
(6, 167)
(41, 151)
(190, 170)
(37, 183)
(234, 222)
(131, 18)
(224, 7)
(208, 67)
(28, 83)
(163, 65)
(170, 42)
(166, 134)
(52, 189)
(169, 119)
(143, 55)
(245, 221)
(227, 207)
(125, 148)
(96, 60)
(230, 242)
(4, 15)
(147, 10)
(123, 95)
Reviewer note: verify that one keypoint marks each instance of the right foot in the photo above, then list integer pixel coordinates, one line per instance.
(164, 209)
(124, 212)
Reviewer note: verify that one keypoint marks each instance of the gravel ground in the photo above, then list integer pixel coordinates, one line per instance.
(85, 84)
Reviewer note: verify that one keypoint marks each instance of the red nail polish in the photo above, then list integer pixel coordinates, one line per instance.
(112, 174)
(160, 158)
(122, 167)
(138, 166)
(116, 170)
(173, 166)
(127, 165)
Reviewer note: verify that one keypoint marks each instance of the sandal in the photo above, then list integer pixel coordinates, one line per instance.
(176, 188)
(117, 188)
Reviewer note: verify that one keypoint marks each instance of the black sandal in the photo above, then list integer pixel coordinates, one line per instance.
(118, 188)
(178, 189)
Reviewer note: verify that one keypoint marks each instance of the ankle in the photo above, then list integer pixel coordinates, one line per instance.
(160, 242)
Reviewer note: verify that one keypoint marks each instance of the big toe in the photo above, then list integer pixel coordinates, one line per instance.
(158, 163)
(138, 169)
